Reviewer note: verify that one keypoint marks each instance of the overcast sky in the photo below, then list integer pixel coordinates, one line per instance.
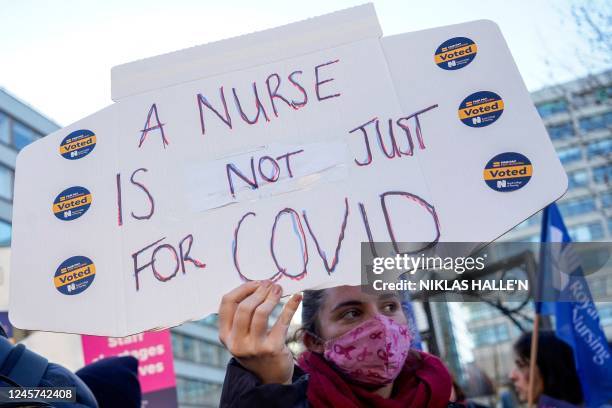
(57, 55)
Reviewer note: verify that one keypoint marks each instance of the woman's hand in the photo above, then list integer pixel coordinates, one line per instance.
(243, 329)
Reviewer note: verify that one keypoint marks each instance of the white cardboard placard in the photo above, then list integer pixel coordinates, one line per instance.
(456, 154)
(177, 217)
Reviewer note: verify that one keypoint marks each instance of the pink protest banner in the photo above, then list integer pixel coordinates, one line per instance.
(155, 364)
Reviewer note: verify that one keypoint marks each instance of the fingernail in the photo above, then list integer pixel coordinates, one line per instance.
(278, 290)
(266, 283)
(257, 283)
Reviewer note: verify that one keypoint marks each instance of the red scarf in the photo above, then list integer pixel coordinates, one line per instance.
(423, 383)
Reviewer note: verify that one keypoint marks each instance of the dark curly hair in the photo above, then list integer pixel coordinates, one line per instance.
(311, 303)
(556, 364)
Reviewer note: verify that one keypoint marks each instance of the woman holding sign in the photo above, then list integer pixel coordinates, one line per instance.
(357, 352)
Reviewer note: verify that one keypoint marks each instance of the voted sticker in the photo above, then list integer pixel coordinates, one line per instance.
(74, 275)
(78, 144)
(455, 53)
(72, 203)
(481, 109)
(508, 172)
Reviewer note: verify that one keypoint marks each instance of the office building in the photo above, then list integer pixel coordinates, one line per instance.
(578, 117)
(20, 125)
(199, 363)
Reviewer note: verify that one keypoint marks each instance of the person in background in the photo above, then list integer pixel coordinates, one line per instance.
(555, 374)
(357, 352)
(20, 367)
(113, 381)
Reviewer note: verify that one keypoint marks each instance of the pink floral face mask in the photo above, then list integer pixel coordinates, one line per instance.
(372, 353)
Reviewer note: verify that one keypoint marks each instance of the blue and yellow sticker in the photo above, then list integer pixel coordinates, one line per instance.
(455, 53)
(74, 275)
(508, 171)
(78, 144)
(71, 203)
(481, 109)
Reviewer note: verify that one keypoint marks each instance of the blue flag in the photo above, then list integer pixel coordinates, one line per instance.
(576, 317)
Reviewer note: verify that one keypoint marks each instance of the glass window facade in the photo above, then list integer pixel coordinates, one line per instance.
(197, 393)
(532, 238)
(478, 311)
(560, 132)
(602, 174)
(533, 220)
(5, 233)
(605, 314)
(199, 351)
(596, 122)
(491, 334)
(15, 133)
(5, 129)
(587, 232)
(569, 154)
(606, 199)
(600, 148)
(22, 135)
(598, 287)
(593, 97)
(577, 206)
(6, 183)
(578, 178)
(547, 109)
